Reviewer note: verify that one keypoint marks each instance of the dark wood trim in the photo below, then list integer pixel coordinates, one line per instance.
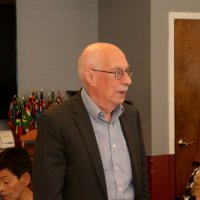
(8, 2)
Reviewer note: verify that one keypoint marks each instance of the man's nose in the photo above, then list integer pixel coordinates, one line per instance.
(127, 79)
(1, 187)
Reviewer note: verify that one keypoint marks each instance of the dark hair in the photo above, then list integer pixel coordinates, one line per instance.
(16, 160)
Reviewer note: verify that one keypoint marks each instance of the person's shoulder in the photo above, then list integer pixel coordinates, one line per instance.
(129, 106)
(57, 108)
(130, 110)
(67, 106)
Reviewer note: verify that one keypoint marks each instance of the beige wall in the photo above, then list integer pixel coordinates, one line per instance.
(141, 28)
(127, 24)
(160, 68)
(50, 36)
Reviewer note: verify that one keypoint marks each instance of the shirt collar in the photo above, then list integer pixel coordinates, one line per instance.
(95, 111)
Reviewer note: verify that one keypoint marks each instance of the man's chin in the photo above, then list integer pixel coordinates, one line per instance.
(120, 101)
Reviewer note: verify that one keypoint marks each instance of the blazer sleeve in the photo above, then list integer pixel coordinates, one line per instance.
(131, 125)
(49, 156)
(144, 192)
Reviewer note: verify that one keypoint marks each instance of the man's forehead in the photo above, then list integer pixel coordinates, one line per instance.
(5, 173)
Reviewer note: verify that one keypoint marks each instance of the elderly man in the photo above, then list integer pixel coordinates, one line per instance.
(90, 147)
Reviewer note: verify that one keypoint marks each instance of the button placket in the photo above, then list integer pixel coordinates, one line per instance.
(116, 171)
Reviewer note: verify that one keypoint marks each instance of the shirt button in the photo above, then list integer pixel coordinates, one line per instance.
(114, 145)
(116, 168)
(120, 189)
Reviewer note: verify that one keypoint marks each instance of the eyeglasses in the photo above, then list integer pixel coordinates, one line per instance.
(119, 73)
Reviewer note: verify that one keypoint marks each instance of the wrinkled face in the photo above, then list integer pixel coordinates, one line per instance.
(11, 188)
(109, 91)
(112, 91)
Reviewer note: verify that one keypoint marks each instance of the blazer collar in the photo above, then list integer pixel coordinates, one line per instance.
(130, 131)
(83, 122)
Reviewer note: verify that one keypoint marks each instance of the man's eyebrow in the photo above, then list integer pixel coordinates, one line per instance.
(119, 67)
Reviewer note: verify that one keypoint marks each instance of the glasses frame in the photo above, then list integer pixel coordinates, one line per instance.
(119, 73)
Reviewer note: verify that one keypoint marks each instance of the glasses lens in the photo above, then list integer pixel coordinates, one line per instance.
(119, 74)
(129, 72)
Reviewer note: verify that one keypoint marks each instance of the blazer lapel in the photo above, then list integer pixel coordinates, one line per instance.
(130, 131)
(83, 122)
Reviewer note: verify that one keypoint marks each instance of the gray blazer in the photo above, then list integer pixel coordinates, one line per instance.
(67, 164)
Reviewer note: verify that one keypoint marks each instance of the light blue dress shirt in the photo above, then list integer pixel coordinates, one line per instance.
(113, 150)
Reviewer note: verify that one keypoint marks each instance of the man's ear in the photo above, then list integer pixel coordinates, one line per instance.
(89, 77)
(25, 178)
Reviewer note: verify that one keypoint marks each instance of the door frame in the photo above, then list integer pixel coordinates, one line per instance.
(171, 95)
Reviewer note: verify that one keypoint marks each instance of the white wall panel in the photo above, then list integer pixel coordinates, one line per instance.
(50, 37)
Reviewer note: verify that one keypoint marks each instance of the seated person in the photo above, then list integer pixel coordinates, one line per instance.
(15, 174)
(196, 186)
(188, 194)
